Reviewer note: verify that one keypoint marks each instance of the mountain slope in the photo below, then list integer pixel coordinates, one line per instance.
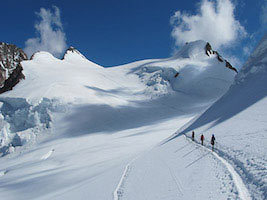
(71, 126)
(239, 121)
(237, 167)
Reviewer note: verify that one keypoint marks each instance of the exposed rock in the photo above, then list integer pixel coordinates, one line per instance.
(32, 56)
(10, 67)
(228, 65)
(209, 51)
(218, 56)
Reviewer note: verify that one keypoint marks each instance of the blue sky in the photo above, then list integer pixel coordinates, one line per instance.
(113, 32)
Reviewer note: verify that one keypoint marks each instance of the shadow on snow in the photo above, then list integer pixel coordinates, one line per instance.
(96, 118)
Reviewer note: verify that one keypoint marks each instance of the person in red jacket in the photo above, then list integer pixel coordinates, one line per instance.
(202, 139)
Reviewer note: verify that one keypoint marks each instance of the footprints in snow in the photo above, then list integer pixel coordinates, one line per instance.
(238, 182)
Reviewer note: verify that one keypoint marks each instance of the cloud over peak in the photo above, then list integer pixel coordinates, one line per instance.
(215, 22)
(50, 33)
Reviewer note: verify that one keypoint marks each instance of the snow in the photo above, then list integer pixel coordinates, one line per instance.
(179, 170)
(118, 193)
(238, 120)
(242, 190)
(244, 125)
(47, 155)
(2, 173)
(72, 55)
(82, 131)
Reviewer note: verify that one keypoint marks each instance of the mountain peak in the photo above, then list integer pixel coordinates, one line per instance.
(73, 55)
(191, 49)
(198, 49)
(72, 51)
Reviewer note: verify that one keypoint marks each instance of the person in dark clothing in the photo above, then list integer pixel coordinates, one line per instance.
(193, 135)
(212, 141)
(202, 139)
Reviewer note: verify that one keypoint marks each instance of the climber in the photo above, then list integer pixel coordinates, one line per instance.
(212, 141)
(176, 75)
(202, 139)
(193, 135)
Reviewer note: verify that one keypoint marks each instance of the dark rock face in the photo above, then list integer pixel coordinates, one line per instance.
(10, 67)
(209, 51)
(228, 65)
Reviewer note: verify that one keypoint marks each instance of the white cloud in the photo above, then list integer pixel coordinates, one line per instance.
(215, 22)
(51, 36)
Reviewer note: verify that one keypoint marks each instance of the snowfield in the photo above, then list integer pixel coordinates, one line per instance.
(237, 169)
(73, 129)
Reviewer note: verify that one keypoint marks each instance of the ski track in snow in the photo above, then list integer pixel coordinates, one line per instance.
(118, 193)
(48, 154)
(241, 188)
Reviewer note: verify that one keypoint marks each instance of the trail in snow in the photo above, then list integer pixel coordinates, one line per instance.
(118, 193)
(48, 154)
(241, 188)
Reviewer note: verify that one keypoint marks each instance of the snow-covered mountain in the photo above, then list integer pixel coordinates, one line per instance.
(71, 126)
(51, 84)
(239, 121)
(237, 167)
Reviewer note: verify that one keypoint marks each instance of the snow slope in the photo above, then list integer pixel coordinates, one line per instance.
(69, 129)
(237, 169)
(239, 121)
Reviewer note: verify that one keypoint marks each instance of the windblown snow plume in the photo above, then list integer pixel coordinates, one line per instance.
(51, 36)
(215, 22)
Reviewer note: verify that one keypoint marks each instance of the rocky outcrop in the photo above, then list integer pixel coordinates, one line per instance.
(209, 51)
(10, 67)
(228, 65)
